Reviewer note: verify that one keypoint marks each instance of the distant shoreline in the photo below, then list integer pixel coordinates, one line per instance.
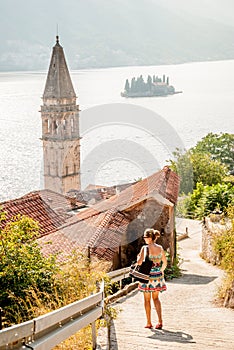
(148, 95)
(44, 70)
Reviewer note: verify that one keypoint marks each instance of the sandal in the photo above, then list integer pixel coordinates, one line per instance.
(159, 326)
(149, 326)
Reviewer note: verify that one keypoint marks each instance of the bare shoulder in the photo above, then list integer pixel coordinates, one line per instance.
(155, 249)
(158, 246)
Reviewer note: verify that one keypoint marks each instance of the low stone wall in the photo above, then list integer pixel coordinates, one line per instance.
(229, 298)
(209, 230)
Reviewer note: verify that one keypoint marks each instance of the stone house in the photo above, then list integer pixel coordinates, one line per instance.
(112, 229)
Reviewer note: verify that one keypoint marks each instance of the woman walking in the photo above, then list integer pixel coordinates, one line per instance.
(156, 282)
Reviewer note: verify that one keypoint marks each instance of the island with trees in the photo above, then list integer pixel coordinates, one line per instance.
(154, 86)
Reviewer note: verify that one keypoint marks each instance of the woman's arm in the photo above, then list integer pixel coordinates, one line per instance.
(164, 261)
(140, 256)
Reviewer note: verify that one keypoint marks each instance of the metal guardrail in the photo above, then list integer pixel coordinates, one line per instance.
(49, 330)
(119, 275)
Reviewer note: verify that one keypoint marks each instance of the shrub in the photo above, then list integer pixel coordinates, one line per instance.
(22, 266)
(206, 199)
(223, 244)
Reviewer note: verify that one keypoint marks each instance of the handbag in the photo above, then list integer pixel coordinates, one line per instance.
(141, 272)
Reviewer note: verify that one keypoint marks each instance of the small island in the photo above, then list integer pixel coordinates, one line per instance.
(154, 86)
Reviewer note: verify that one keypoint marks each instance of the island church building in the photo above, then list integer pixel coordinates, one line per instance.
(60, 127)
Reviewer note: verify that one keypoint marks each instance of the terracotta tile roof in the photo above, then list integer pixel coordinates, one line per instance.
(101, 232)
(164, 182)
(93, 187)
(101, 227)
(36, 207)
(107, 238)
(93, 194)
(61, 204)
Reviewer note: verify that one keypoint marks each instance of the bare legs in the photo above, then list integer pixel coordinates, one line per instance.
(147, 305)
(157, 304)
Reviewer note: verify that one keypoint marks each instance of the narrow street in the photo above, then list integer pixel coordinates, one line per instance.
(191, 318)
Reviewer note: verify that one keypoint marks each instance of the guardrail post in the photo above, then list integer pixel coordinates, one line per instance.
(94, 335)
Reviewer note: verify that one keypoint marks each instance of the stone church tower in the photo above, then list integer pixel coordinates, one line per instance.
(60, 127)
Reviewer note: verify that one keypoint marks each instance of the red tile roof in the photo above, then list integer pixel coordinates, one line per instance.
(46, 207)
(93, 187)
(93, 194)
(165, 183)
(59, 203)
(102, 233)
(101, 227)
(107, 238)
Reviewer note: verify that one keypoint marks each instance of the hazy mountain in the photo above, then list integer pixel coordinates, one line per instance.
(101, 33)
(221, 11)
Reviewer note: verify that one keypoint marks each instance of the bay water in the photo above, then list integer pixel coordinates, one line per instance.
(113, 151)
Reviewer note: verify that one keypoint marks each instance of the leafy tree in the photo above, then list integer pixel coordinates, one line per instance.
(207, 170)
(194, 167)
(219, 146)
(22, 265)
(193, 199)
(182, 165)
(206, 199)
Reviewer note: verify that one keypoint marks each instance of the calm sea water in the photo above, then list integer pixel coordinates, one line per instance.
(206, 105)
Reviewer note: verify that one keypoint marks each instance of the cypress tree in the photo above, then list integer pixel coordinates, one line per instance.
(127, 86)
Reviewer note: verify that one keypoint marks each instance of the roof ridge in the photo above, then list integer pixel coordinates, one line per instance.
(106, 220)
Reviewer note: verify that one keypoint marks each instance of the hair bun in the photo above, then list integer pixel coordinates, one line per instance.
(157, 233)
(151, 233)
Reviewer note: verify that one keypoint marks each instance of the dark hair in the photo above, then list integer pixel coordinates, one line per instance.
(151, 233)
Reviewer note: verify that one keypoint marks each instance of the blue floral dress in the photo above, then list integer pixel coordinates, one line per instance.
(157, 281)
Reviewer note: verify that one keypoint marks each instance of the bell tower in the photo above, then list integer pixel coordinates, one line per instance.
(60, 127)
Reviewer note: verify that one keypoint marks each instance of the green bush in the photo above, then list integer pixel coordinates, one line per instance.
(22, 265)
(172, 270)
(205, 199)
(223, 244)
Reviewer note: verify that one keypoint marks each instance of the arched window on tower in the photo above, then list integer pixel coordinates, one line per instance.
(72, 124)
(64, 124)
(55, 126)
(46, 126)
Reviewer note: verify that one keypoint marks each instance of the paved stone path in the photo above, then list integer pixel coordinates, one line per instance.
(191, 318)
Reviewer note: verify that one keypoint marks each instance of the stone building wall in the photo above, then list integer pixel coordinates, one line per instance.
(146, 215)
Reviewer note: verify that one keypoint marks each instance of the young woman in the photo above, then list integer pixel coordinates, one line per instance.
(156, 283)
